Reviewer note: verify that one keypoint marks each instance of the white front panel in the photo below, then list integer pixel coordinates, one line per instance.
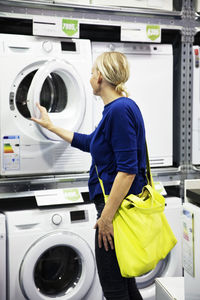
(126, 3)
(197, 5)
(190, 184)
(155, 4)
(24, 148)
(51, 1)
(196, 107)
(3, 259)
(160, 4)
(73, 1)
(170, 288)
(173, 212)
(192, 287)
(150, 86)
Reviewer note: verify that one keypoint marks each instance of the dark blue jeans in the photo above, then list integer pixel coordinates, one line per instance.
(115, 287)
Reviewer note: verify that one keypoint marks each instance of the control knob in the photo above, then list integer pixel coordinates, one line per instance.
(47, 46)
(56, 219)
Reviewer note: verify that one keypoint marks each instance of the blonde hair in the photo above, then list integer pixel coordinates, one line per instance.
(114, 68)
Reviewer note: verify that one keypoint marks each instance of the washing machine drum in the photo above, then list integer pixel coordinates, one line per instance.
(57, 270)
(57, 86)
(58, 266)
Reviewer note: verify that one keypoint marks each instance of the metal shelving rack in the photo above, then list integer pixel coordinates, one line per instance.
(185, 20)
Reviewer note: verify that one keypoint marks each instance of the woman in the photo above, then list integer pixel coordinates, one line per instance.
(118, 151)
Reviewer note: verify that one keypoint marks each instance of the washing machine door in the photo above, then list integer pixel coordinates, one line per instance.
(168, 267)
(146, 282)
(57, 86)
(58, 266)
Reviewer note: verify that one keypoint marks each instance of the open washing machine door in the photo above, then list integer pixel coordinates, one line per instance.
(58, 87)
(60, 266)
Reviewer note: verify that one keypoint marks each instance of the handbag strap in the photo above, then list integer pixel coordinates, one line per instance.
(148, 173)
(101, 183)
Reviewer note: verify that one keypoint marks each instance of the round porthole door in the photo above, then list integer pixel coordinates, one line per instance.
(146, 282)
(58, 266)
(57, 86)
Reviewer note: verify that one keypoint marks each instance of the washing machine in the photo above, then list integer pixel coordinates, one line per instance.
(171, 266)
(2, 257)
(151, 86)
(54, 72)
(50, 254)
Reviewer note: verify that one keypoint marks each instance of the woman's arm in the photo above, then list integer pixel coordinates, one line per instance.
(45, 122)
(63, 133)
(120, 188)
(78, 140)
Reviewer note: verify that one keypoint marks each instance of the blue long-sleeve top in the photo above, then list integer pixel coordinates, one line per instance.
(117, 144)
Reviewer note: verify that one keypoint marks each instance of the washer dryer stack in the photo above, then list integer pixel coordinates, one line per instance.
(55, 73)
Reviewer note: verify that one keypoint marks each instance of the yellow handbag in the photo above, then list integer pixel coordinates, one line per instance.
(142, 235)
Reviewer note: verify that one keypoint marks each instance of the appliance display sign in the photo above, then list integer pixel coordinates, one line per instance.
(140, 33)
(188, 242)
(59, 27)
(11, 152)
(58, 196)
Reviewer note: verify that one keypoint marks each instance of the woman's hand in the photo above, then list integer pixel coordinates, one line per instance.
(105, 233)
(44, 120)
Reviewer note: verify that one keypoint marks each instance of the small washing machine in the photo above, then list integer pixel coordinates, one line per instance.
(54, 72)
(171, 266)
(50, 254)
(2, 257)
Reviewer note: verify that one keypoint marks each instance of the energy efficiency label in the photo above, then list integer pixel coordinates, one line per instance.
(11, 152)
(188, 242)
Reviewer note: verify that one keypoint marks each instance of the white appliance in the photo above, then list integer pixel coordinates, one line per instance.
(155, 4)
(43, 1)
(2, 257)
(197, 5)
(191, 239)
(191, 254)
(54, 72)
(87, 2)
(170, 288)
(151, 86)
(171, 266)
(51, 254)
(196, 107)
